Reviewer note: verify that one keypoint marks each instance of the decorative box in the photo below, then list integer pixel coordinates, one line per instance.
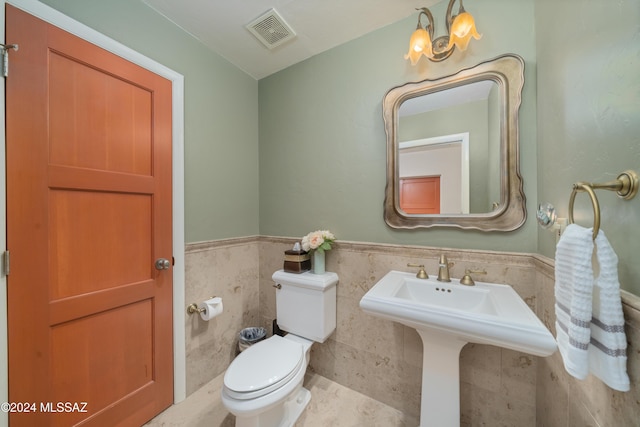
(297, 261)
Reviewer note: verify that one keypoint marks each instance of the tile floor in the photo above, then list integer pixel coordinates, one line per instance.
(331, 405)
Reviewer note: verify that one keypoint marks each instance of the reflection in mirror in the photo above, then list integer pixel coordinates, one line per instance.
(452, 135)
(452, 149)
(434, 175)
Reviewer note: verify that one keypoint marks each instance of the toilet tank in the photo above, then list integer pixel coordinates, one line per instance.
(306, 303)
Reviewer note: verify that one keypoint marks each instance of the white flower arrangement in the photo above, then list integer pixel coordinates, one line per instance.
(319, 240)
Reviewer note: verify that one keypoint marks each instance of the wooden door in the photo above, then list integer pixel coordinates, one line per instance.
(420, 195)
(88, 213)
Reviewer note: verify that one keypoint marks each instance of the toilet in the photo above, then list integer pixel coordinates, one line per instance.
(263, 385)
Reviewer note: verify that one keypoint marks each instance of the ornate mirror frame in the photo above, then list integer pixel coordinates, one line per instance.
(507, 71)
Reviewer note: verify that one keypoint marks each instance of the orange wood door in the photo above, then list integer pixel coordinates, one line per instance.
(420, 195)
(88, 213)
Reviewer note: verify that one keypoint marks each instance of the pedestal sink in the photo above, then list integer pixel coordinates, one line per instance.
(447, 316)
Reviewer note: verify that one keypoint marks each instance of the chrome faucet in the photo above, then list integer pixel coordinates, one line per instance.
(443, 269)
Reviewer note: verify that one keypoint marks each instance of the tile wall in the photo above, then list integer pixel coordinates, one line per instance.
(383, 359)
(563, 401)
(228, 269)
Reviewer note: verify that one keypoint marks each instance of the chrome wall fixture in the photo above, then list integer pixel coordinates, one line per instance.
(460, 29)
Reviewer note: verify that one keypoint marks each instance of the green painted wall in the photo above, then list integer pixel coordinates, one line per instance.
(322, 139)
(221, 115)
(589, 116)
(493, 180)
(315, 155)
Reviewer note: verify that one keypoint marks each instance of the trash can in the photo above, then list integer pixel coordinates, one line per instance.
(250, 336)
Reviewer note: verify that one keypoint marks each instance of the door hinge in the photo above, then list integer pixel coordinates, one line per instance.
(4, 51)
(5, 263)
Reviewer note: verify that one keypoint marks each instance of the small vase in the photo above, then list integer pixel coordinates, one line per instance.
(318, 262)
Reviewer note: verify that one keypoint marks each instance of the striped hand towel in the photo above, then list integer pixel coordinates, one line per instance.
(589, 318)
(573, 292)
(607, 351)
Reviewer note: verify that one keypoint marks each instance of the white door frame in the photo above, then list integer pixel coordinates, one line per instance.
(56, 18)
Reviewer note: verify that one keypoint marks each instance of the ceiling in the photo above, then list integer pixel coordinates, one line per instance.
(464, 94)
(318, 25)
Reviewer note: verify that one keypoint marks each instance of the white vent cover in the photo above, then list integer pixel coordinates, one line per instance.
(271, 29)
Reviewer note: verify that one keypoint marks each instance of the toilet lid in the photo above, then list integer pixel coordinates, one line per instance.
(263, 365)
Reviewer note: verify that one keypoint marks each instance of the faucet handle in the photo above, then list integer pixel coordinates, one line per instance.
(467, 280)
(422, 274)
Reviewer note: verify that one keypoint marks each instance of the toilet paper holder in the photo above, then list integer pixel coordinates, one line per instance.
(193, 307)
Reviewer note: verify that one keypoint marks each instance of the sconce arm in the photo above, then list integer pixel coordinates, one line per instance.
(449, 17)
(430, 27)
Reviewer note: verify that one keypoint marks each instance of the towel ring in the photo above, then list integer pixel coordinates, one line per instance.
(582, 186)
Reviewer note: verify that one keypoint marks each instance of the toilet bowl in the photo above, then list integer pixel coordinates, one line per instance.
(263, 385)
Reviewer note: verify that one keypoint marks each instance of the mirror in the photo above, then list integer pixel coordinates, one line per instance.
(452, 150)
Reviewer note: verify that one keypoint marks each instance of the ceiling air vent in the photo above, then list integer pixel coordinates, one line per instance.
(271, 29)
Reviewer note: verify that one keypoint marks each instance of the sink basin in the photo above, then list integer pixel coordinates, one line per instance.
(471, 299)
(447, 316)
(486, 313)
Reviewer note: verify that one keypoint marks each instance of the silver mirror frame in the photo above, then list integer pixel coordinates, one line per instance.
(507, 71)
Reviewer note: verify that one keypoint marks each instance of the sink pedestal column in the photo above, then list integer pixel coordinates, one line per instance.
(440, 403)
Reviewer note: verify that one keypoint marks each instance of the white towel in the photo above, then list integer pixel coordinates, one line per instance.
(589, 319)
(607, 350)
(573, 291)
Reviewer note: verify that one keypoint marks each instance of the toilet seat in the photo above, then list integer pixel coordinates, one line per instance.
(264, 367)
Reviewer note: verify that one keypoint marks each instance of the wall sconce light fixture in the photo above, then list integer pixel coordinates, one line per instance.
(460, 29)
